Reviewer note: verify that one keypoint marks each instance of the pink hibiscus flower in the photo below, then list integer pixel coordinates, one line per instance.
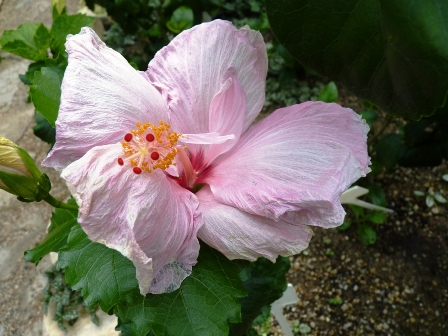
(135, 148)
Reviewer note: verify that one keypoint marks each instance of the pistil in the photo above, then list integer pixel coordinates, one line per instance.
(149, 147)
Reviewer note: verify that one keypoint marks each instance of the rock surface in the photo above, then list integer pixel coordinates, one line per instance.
(22, 225)
(83, 325)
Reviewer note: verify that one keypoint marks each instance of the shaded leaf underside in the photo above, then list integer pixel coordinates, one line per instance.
(393, 53)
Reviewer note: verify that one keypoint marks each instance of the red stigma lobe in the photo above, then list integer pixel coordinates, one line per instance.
(120, 161)
(137, 170)
(155, 155)
(150, 137)
(128, 137)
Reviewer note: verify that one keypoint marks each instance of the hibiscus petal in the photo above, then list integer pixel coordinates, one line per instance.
(227, 113)
(190, 70)
(298, 161)
(239, 235)
(102, 99)
(206, 138)
(149, 218)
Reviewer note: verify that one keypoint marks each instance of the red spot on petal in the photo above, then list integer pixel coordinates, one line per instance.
(137, 170)
(120, 161)
(128, 137)
(150, 138)
(155, 155)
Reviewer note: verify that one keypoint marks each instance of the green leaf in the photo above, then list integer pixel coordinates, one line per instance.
(369, 116)
(390, 149)
(124, 328)
(329, 94)
(67, 24)
(181, 19)
(393, 53)
(207, 300)
(29, 40)
(266, 284)
(377, 195)
(62, 221)
(28, 77)
(377, 217)
(134, 65)
(366, 234)
(439, 198)
(335, 301)
(155, 30)
(304, 328)
(203, 305)
(46, 89)
(426, 141)
(43, 130)
(430, 201)
(357, 210)
(102, 274)
(263, 317)
(344, 226)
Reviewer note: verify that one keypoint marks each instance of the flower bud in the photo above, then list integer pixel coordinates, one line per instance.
(19, 174)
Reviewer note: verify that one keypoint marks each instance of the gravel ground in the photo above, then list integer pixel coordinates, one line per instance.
(399, 285)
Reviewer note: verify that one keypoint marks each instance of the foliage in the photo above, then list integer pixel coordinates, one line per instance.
(335, 301)
(69, 303)
(366, 233)
(29, 40)
(262, 327)
(181, 19)
(411, 144)
(266, 284)
(210, 294)
(63, 25)
(283, 88)
(366, 219)
(432, 198)
(45, 90)
(385, 52)
(62, 221)
(43, 129)
(329, 94)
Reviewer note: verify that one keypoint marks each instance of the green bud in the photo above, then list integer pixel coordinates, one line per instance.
(19, 174)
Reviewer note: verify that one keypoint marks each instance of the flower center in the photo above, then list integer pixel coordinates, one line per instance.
(149, 147)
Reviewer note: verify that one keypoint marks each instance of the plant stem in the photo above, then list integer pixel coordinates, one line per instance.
(58, 204)
(386, 123)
